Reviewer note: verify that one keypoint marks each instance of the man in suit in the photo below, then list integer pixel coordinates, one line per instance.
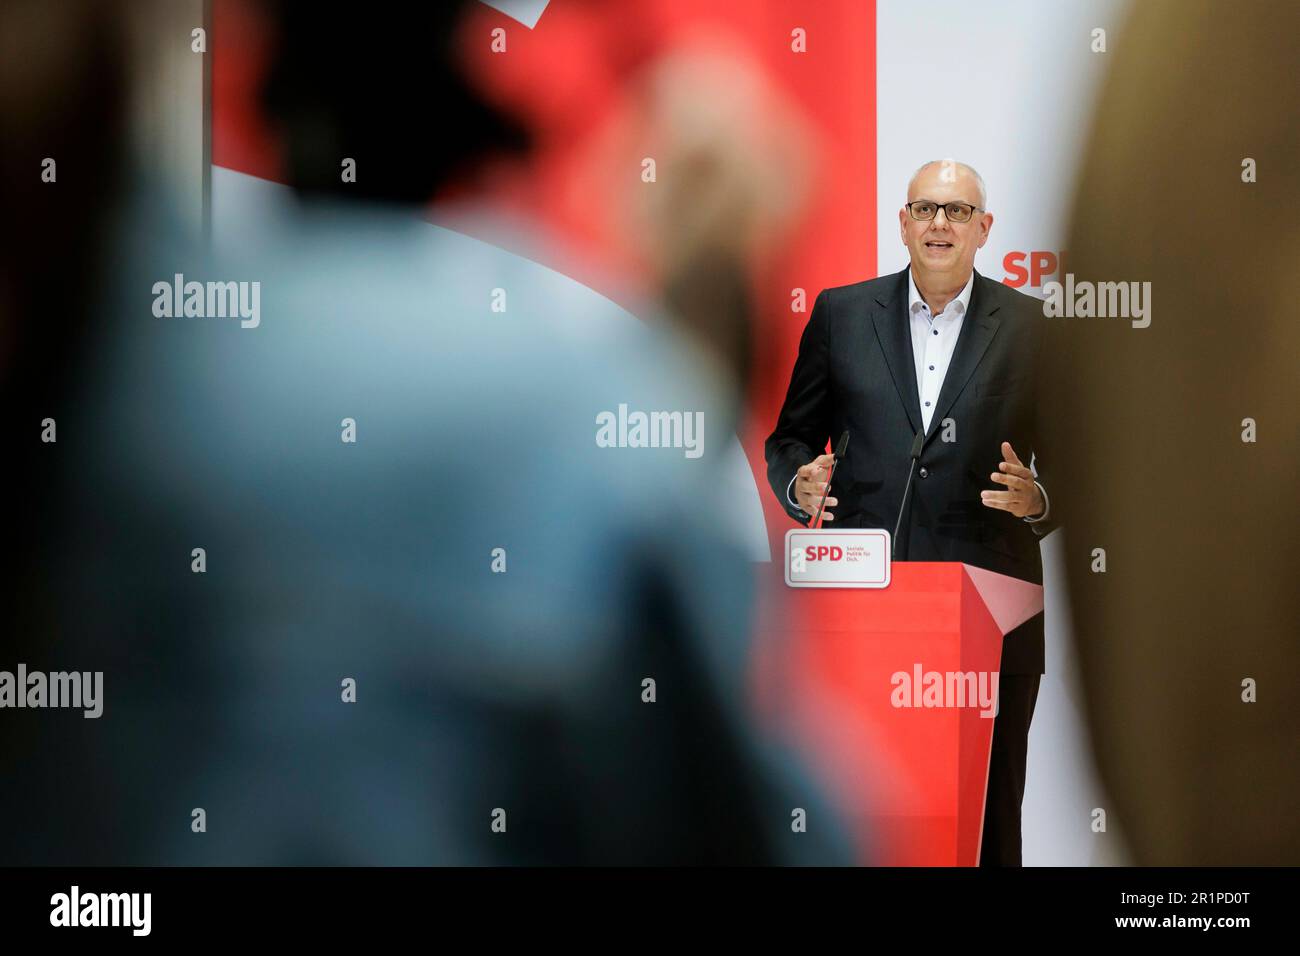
(942, 351)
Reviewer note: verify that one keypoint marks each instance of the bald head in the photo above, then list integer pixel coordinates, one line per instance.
(949, 170)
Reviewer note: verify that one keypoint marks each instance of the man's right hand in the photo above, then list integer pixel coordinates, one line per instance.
(810, 484)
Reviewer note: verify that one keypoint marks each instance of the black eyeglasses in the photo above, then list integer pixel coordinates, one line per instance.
(925, 210)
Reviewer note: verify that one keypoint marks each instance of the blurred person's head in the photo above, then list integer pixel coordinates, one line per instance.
(1196, 524)
(733, 158)
(944, 222)
(383, 86)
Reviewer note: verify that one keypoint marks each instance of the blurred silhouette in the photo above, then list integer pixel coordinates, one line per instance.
(1198, 526)
(499, 586)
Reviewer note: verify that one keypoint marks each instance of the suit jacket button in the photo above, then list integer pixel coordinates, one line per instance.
(925, 473)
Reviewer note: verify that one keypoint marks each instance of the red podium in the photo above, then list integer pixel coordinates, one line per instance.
(882, 691)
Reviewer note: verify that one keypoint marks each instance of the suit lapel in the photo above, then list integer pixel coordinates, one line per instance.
(977, 331)
(895, 337)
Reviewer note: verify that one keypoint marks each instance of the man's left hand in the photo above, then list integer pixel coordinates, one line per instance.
(1022, 497)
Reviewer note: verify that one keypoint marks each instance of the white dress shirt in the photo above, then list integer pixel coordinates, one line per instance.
(934, 339)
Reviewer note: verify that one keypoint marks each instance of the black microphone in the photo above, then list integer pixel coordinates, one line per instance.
(839, 453)
(915, 454)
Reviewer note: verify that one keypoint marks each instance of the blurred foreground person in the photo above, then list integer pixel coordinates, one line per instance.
(1187, 640)
(377, 573)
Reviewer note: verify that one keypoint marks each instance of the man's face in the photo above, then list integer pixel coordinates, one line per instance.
(942, 249)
